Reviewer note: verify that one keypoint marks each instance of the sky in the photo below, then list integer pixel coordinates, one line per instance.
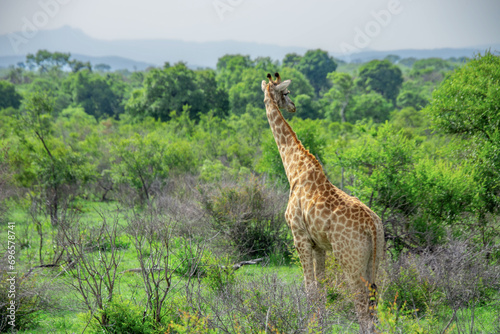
(332, 25)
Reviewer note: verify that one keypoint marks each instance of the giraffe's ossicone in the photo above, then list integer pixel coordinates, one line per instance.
(321, 216)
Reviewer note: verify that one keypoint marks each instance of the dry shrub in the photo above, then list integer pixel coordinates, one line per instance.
(250, 216)
(269, 304)
(457, 275)
(181, 199)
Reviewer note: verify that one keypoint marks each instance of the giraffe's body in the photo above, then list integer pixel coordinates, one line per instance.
(321, 216)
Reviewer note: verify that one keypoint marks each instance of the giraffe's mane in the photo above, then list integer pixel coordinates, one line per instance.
(295, 138)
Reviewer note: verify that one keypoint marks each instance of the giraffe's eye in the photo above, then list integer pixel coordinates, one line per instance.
(288, 92)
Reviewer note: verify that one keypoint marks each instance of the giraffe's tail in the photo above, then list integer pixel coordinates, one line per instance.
(377, 235)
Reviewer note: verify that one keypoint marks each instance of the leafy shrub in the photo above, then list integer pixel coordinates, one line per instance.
(219, 273)
(188, 258)
(29, 302)
(123, 317)
(394, 318)
(191, 324)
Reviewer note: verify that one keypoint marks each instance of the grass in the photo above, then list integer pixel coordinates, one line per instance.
(65, 312)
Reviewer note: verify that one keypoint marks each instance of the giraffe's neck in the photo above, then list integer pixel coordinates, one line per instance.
(291, 150)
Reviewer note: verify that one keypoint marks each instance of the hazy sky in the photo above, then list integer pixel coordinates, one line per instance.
(334, 25)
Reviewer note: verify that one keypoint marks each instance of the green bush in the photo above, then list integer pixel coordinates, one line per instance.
(219, 273)
(122, 316)
(394, 318)
(191, 324)
(187, 259)
(29, 302)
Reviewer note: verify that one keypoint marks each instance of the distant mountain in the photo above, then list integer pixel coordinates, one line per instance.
(139, 54)
(115, 62)
(155, 52)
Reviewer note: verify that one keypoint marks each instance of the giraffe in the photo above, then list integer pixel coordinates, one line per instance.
(321, 216)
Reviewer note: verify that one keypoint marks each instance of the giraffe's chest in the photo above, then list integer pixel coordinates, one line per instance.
(309, 219)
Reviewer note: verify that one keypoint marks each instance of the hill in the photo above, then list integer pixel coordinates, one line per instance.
(139, 54)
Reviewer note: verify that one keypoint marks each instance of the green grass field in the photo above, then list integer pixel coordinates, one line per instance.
(241, 299)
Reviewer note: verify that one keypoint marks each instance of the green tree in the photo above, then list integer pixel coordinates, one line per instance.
(247, 92)
(300, 84)
(437, 64)
(431, 69)
(370, 106)
(18, 75)
(410, 121)
(95, 94)
(45, 162)
(8, 95)
(215, 97)
(166, 90)
(77, 65)
(408, 98)
(340, 95)
(230, 67)
(468, 102)
(467, 105)
(139, 161)
(291, 60)
(45, 60)
(417, 197)
(265, 63)
(381, 76)
(315, 65)
(54, 88)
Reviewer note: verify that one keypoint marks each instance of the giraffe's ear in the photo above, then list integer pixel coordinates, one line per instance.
(263, 85)
(284, 85)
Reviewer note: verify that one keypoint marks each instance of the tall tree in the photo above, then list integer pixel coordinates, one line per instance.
(45, 60)
(341, 93)
(48, 165)
(467, 105)
(215, 96)
(381, 76)
(230, 68)
(8, 95)
(291, 60)
(95, 94)
(316, 64)
(173, 87)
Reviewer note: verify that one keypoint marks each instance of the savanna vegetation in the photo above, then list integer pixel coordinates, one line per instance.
(137, 197)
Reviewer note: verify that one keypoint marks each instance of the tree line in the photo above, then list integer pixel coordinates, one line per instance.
(416, 139)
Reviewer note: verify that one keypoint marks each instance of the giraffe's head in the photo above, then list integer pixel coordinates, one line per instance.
(277, 92)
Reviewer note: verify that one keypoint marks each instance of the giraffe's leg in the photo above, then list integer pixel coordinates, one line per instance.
(319, 264)
(319, 271)
(304, 248)
(301, 241)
